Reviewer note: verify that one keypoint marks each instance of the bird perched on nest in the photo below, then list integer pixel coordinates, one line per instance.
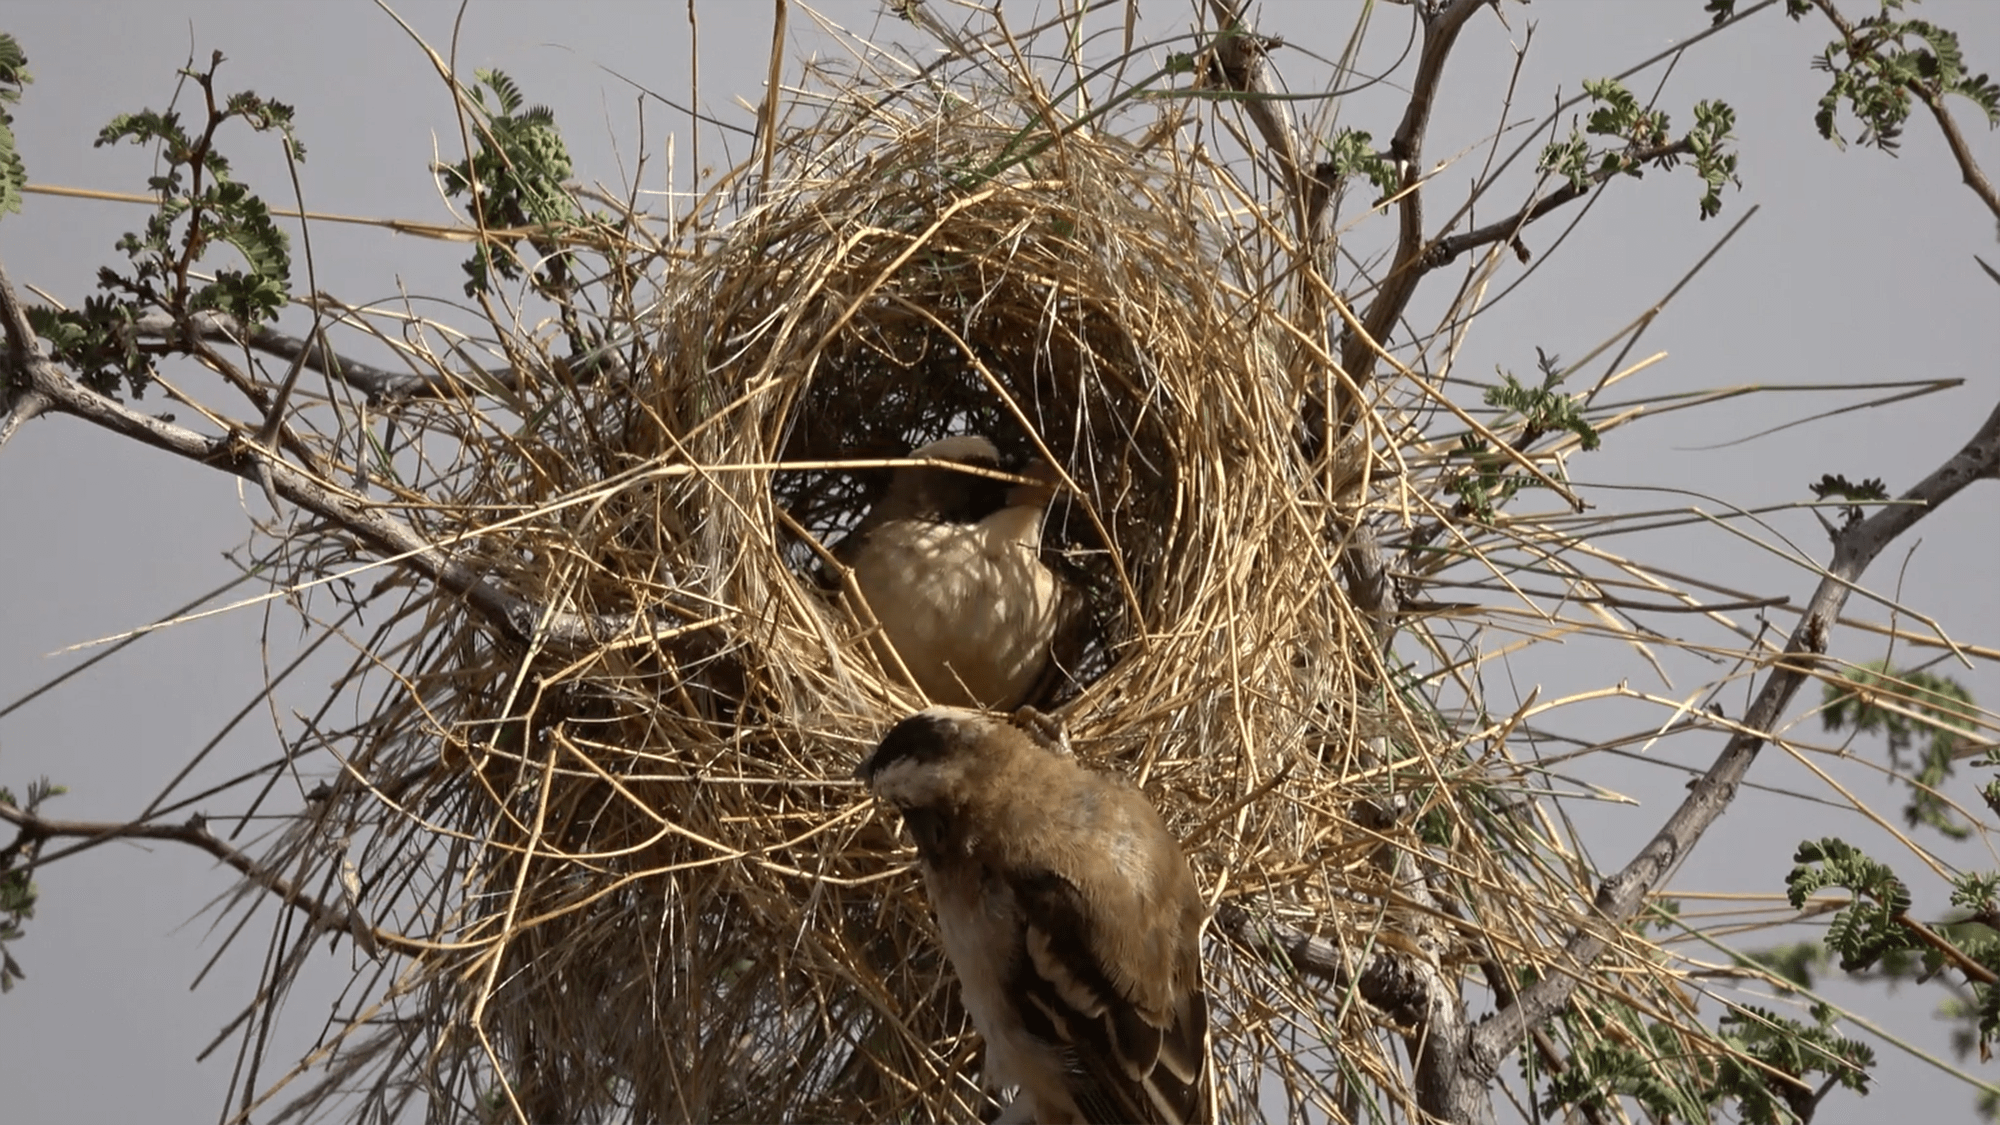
(950, 564)
(1068, 912)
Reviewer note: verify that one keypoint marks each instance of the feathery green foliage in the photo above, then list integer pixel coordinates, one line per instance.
(1643, 136)
(200, 206)
(514, 180)
(1884, 66)
(17, 891)
(14, 78)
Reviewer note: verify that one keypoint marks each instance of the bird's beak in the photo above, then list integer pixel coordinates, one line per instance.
(861, 772)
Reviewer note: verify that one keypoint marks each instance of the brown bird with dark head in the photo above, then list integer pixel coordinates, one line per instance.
(950, 564)
(1069, 914)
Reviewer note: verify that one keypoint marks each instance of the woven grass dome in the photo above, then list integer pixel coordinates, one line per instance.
(634, 874)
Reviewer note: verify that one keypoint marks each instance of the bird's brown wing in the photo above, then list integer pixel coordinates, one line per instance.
(1127, 1063)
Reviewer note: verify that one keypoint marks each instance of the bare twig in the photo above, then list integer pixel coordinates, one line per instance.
(195, 833)
(1241, 53)
(1445, 250)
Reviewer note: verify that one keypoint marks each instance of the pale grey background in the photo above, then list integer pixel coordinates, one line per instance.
(97, 536)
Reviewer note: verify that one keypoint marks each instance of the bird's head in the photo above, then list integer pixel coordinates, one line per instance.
(937, 493)
(1046, 481)
(929, 767)
(924, 758)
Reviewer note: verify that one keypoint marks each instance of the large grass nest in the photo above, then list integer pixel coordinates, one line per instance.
(644, 883)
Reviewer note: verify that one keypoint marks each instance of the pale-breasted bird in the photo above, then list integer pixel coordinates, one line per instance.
(1069, 914)
(950, 564)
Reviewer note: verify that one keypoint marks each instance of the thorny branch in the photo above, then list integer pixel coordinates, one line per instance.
(1455, 1063)
(1241, 54)
(1855, 547)
(1399, 284)
(1407, 989)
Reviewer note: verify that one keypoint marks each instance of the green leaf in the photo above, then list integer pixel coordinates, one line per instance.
(1351, 152)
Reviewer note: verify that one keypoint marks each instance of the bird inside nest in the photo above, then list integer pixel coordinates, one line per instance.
(949, 563)
(1069, 914)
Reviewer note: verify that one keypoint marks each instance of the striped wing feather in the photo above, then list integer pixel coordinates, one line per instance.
(1128, 1062)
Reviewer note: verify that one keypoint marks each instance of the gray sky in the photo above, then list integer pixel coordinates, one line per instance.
(101, 536)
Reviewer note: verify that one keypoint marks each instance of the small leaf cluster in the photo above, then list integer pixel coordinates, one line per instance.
(1644, 137)
(1834, 484)
(14, 78)
(1541, 410)
(1490, 481)
(1977, 935)
(200, 207)
(1714, 162)
(1872, 925)
(1931, 711)
(1605, 1067)
(1884, 64)
(1351, 152)
(515, 179)
(18, 893)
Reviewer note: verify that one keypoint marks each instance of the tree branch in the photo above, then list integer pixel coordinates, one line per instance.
(1357, 354)
(195, 833)
(21, 407)
(1445, 250)
(1241, 53)
(1618, 897)
(1948, 950)
(1968, 165)
(393, 539)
